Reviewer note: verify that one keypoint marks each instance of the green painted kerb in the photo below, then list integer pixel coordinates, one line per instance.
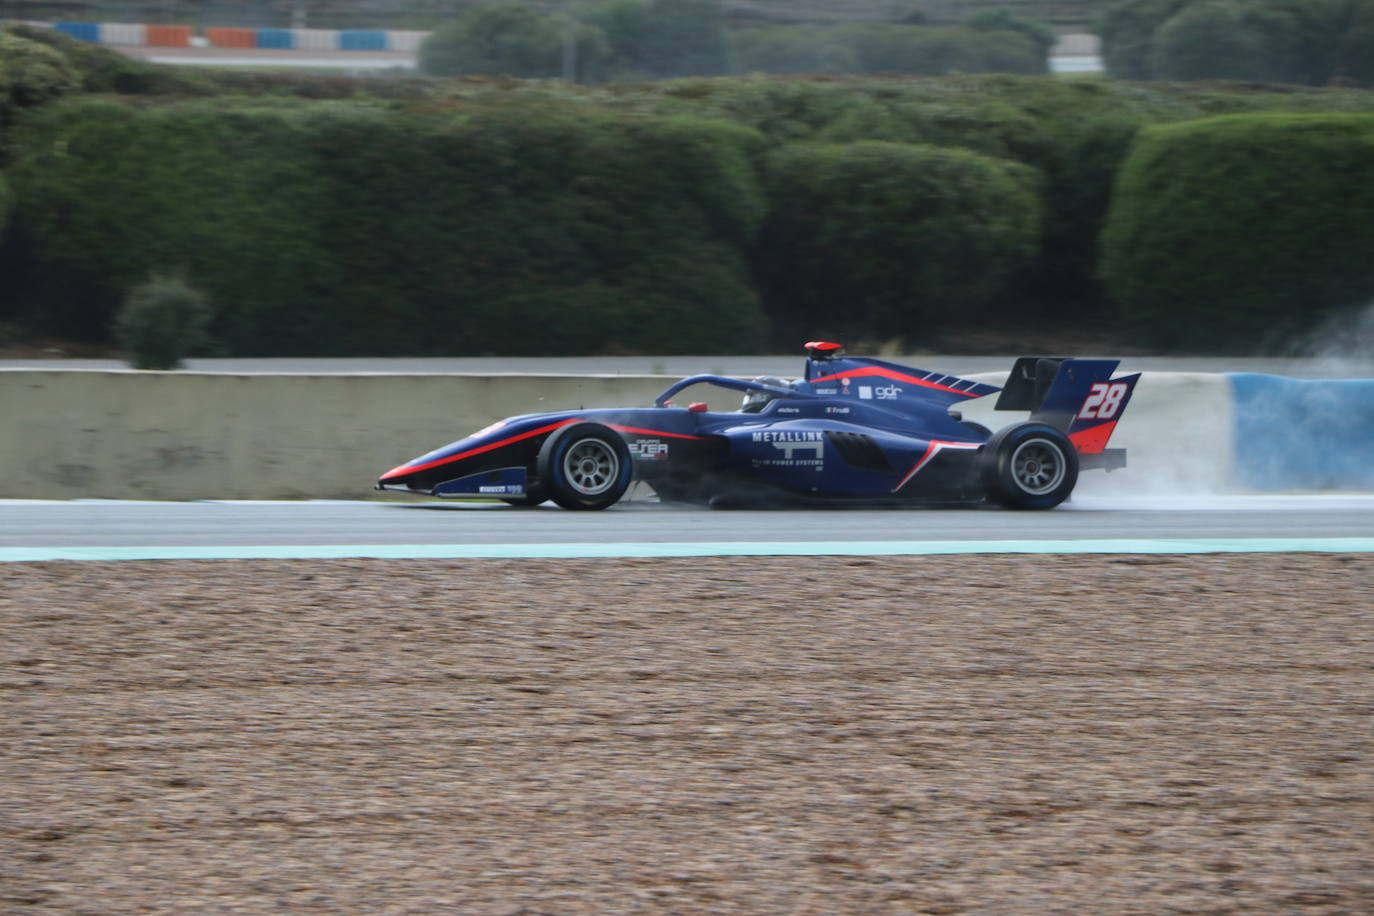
(688, 549)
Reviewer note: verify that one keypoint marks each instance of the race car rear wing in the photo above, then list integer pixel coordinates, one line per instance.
(1077, 396)
(1030, 380)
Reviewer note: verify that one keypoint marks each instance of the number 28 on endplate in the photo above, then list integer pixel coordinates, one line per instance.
(1103, 401)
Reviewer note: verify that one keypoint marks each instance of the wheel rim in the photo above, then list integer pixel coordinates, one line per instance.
(1038, 466)
(591, 467)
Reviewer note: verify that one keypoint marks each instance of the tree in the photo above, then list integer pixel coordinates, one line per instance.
(793, 49)
(1222, 39)
(624, 23)
(31, 74)
(507, 39)
(685, 38)
(650, 39)
(927, 50)
(1313, 42)
(1336, 40)
(161, 322)
(1356, 54)
(1128, 33)
(1004, 20)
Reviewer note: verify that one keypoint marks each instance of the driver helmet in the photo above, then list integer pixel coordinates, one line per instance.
(755, 400)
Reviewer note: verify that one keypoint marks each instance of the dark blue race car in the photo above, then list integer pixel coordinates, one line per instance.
(854, 431)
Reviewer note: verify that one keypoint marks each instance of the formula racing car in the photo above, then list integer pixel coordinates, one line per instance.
(853, 431)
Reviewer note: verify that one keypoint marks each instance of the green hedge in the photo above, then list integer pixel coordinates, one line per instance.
(31, 73)
(527, 230)
(350, 228)
(6, 201)
(106, 194)
(1312, 42)
(1229, 232)
(506, 39)
(329, 215)
(892, 240)
(852, 49)
(1075, 132)
(97, 68)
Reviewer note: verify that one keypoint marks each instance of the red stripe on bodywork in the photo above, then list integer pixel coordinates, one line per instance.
(1093, 440)
(936, 446)
(413, 468)
(889, 373)
(634, 430)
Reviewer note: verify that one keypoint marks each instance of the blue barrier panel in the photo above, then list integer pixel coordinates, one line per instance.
(1297, 434)
(362, 40)
(279, 39)
(86, 31)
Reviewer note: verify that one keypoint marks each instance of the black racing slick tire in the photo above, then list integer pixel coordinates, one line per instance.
(1029, 466)
(585, 466)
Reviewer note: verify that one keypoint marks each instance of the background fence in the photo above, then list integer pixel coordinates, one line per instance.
(181, 36)
(414, 14)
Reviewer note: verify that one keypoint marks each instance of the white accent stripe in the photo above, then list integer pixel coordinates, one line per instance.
(936, 448)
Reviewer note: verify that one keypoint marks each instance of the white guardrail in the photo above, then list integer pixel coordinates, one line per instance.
(125, 434)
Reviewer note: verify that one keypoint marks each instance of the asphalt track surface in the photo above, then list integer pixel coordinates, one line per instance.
(642, 520)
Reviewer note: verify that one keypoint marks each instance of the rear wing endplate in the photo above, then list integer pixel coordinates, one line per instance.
(1029, 382)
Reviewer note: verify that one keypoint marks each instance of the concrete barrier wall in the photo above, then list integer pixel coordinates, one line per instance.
(1299, 434)
(150, 435)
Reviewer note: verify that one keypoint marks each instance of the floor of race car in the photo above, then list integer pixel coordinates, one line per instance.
(1005, 734)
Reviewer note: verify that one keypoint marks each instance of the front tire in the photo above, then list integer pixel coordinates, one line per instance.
(585, 466)
(1029, 466)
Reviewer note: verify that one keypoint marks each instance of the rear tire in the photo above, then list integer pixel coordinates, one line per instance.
(585, 466)
(1029, 466)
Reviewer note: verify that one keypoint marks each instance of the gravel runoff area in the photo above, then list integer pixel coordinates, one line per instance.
(1006, 734)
